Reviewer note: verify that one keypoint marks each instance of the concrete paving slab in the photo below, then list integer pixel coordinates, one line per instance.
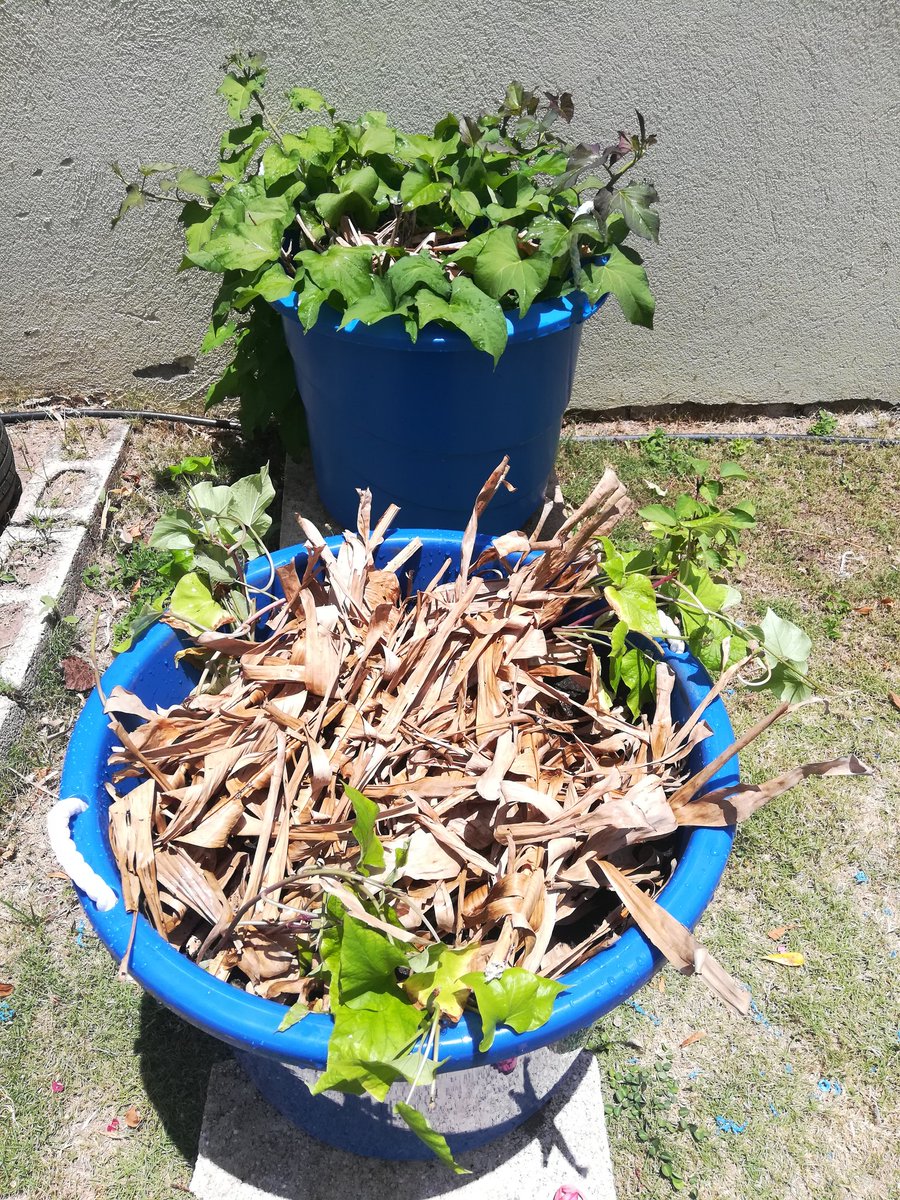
(250, 1152)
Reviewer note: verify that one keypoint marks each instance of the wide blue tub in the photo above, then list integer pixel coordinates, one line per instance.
(249, 1023)
(424, 424)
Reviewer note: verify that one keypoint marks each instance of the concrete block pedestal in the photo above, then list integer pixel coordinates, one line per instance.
(248, 1151)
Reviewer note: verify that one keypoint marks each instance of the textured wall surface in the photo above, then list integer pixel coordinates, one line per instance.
(778, 168)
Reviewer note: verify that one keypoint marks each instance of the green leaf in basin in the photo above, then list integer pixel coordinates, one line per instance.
(469, 310)
(623, 275)
(192, 601)
(369, 963)
(635, 604)
(518, 998)
(371, 852)
(435, 1141)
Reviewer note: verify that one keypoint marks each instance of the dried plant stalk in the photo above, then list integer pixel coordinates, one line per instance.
(510, 795)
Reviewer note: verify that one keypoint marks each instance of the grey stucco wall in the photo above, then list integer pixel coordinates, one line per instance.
(778, 168)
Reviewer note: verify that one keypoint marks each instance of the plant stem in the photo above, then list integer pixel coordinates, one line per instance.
(425, 1053)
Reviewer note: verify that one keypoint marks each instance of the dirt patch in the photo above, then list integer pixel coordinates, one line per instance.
(68, 489)
(869, 423)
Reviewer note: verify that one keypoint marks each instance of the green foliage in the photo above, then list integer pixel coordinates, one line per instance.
(666, 454)
(52, 614)
(141, 572)
(677, 588)
(494, 213)
(371, 851)
(517, 998)
(193, 464)
(824, 425)
(389, 998)
(642, 1098)
(196, 555)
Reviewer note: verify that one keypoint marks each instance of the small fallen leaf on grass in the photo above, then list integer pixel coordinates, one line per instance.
(113, 1126)
(6, 989)
(777, 934)
(863, 610)
(132, 1117)
(786, 958)
(894, 699)
(57, 1086)
(78, 674)
(654, 487)
(697, 1036)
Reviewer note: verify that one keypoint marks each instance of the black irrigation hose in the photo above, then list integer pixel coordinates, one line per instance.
(733, 437)
(225, 424)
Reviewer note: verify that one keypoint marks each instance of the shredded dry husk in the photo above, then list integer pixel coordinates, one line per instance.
(530, 813)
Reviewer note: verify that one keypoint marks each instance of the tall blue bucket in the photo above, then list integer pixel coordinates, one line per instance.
(423, 424)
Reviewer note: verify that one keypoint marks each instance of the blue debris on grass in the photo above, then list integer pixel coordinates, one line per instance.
(830, 1087)
(7, 1012)
(761, 1019)
(641, 1011)
(727, 1125)
(861, 877)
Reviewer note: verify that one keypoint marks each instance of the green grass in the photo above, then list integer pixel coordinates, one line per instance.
(795, 862)
(110, 1044)
(111, 1047)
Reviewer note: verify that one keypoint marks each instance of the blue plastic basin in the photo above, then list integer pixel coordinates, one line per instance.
(249, 1022)
(424, 424)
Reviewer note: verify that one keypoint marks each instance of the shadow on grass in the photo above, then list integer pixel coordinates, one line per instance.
(176, 1060)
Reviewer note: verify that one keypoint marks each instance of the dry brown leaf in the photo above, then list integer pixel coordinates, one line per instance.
(676, 942)
(729, 805)
(6, 989)
(132, 1117)
(78, 674)
(697, 1036)
(894, 699)
(777, 934)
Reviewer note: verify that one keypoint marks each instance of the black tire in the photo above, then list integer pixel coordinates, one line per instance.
(10, 484)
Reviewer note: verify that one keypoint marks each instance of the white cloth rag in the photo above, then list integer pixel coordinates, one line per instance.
(72, 860)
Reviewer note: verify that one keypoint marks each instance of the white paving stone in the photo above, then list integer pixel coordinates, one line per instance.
(250, 1152)
(47, 544)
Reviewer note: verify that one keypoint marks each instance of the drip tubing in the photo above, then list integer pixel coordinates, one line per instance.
(224, 424)
(735, 437)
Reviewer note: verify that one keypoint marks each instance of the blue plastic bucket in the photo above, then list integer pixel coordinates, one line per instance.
(424, 424)
(250, 1023)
